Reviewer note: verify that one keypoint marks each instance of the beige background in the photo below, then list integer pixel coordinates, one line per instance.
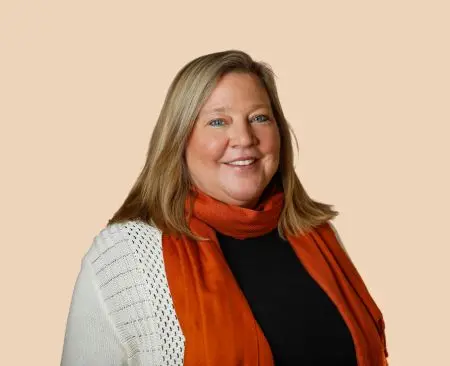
(365, 84)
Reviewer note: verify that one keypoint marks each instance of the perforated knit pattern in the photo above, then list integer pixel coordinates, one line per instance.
(146, 242)
(128, 262)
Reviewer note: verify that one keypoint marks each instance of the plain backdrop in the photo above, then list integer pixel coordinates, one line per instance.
(366, 86)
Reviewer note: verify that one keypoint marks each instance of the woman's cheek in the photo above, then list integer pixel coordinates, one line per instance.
(214, 147)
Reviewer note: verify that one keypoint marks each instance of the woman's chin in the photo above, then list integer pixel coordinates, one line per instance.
(243, 197)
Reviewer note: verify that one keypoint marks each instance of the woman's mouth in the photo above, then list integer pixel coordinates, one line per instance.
(242, 162)
(243, 165)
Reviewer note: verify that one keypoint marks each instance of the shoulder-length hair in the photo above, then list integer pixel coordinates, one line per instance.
(158, 196)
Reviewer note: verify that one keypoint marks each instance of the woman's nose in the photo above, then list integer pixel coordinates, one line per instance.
(242, 134)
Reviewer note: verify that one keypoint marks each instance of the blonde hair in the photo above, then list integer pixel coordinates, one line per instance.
(158, 196)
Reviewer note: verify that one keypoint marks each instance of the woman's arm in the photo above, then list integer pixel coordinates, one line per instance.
(90, 337)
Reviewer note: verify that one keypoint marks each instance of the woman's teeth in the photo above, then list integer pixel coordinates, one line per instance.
(242, 162)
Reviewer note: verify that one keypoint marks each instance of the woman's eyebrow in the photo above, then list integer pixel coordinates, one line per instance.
(225, 109)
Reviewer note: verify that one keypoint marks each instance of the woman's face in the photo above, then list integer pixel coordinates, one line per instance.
(233, 150)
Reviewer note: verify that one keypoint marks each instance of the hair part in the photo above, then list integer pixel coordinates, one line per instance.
(159, 194)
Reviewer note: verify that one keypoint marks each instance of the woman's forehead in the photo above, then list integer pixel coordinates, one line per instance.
(237, 91)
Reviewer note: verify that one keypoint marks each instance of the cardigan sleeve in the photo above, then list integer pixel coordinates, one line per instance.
(90, 337)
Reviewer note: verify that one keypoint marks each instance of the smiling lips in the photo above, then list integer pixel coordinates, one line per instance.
(242, 162)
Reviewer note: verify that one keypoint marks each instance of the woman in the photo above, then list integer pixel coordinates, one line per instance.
(218, 256)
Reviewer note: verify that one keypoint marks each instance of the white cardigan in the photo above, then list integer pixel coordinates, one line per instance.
(121, 311)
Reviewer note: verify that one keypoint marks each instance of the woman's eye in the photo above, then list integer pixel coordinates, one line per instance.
(265, 118)
(215, 122)
(219, 122)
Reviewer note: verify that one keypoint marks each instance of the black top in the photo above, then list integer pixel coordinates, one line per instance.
(300, 322)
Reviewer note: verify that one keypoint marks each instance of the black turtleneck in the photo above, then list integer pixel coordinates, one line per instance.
(300, 322)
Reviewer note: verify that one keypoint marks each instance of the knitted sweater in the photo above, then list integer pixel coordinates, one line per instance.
(121, 311)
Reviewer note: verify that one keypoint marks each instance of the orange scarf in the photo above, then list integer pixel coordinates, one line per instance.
(214, 315)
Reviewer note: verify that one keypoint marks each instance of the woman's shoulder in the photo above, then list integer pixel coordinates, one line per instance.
(128, 267)
(121, 252)
(120, 239)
